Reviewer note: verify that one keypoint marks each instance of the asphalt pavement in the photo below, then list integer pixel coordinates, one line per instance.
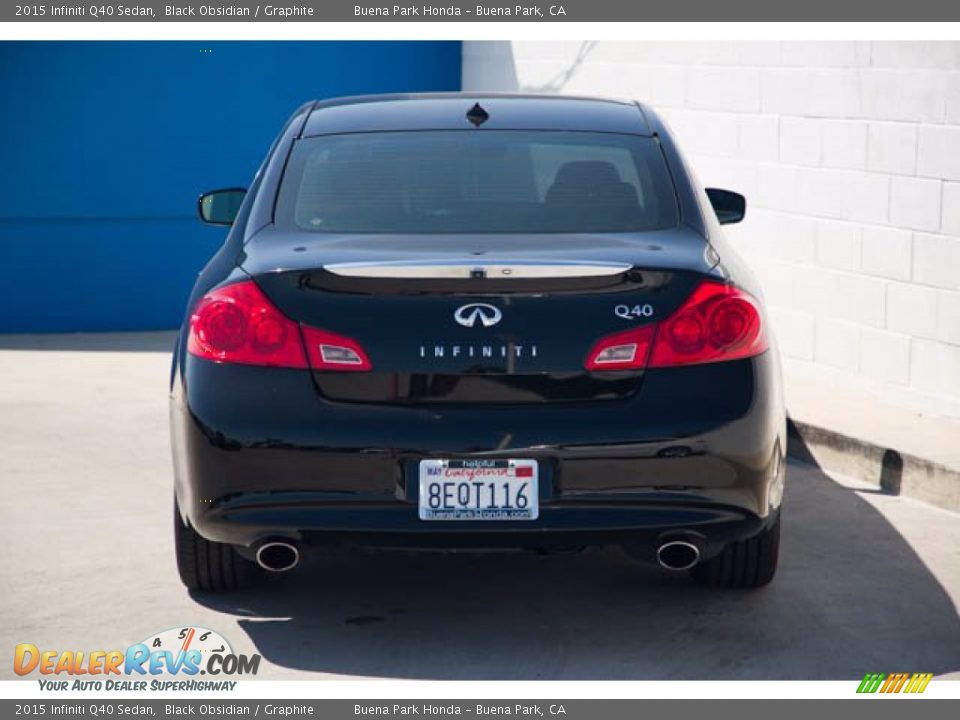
(868, 582)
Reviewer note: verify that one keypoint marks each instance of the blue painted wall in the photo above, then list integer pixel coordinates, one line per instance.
(104, 147)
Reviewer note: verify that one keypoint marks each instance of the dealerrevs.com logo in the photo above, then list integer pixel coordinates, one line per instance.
(169, 660)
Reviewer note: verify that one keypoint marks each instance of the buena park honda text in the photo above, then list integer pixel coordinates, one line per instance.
(476, 321)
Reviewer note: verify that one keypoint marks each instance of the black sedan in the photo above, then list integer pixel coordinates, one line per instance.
(476, 321)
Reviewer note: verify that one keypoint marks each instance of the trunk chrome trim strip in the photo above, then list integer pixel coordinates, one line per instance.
(519, 270)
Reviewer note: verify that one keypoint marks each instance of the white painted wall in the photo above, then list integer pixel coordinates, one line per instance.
(849, 155)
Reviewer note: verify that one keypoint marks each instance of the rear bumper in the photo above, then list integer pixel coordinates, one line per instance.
(259, 454)
(640, 526)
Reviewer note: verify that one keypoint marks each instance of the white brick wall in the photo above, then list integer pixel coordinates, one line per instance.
(849, 154)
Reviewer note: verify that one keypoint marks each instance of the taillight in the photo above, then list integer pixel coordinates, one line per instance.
(329, 351)
(622, 351)
(238, 324)
(717, 323)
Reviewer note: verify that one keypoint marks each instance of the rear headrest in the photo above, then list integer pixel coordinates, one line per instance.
(350, 184)
(587, 172)
(362, 179)
(591, 182)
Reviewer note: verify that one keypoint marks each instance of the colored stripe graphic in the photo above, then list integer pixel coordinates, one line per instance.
(900, 682)
(871, 682)
(894, 683)
(919, 682)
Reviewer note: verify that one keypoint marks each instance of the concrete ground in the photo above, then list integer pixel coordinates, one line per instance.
(868, 582)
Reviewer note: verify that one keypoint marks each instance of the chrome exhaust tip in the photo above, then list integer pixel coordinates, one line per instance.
(278, 556)
(678, 555)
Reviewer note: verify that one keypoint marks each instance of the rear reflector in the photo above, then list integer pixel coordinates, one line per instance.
(717, 323)
(238, 324)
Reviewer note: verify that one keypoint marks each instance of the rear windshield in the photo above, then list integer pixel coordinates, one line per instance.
(491, 181)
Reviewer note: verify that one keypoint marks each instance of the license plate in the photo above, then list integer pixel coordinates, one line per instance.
(479, 490)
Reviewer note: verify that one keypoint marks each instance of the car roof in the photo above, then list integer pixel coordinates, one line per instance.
(448, 111)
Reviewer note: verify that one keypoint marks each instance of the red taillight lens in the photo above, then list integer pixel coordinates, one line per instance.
(238, 324)
(329, 351)
(622, 351)
(717, 322)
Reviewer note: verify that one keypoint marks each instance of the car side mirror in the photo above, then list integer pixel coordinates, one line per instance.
(729, 206)
(220, 207)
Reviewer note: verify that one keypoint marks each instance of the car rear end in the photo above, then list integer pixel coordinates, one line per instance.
(453, 338)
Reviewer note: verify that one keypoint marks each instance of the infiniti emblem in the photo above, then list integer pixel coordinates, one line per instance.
(468, 315)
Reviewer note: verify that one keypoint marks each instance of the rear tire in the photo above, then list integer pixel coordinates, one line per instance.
(209, 566)
(745, 564)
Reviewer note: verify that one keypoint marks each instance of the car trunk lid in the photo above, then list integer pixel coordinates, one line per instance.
(477, 318)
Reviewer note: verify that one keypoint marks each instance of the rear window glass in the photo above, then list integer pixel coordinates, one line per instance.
(492, 181)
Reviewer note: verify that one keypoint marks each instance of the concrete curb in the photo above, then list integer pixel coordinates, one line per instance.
(893, 471)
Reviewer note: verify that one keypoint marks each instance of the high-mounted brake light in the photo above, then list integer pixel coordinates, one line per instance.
(717, 323)
(238, 324)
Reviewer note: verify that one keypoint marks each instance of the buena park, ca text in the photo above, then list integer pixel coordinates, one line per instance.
(518, 11)
(481, 710)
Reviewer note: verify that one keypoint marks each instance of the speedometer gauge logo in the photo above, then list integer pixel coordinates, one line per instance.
(184, 639)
